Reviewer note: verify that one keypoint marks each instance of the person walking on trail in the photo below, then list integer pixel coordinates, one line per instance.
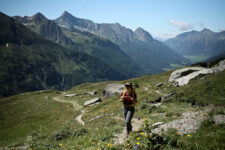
(129, 99)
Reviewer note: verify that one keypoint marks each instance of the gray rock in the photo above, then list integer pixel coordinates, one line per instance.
(97, 117)
(112, 89)
(159, 85)
(157, 124)
(183, 72)
(189, 123)
(92, 101)
(182, 76)
(71, 95)
(219, 119)
(91, 93)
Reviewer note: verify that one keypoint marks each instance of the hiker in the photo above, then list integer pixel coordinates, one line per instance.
(129, 99)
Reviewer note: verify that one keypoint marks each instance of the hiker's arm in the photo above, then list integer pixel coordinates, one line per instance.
(121, 98)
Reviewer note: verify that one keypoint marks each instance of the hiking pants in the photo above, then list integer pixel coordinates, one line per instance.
(128, 114)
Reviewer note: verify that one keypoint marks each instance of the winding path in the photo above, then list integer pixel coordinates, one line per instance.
(136, 123)
(75, 105)
(79, 118)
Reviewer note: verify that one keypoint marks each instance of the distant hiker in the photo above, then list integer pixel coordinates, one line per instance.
(129, 99)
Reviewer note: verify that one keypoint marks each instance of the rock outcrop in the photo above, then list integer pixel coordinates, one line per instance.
(219, 119)
(159, 85)
(71, 95)
(189, 122)
(94, 92)
(92, 101)
(182, 76)
(112, 89)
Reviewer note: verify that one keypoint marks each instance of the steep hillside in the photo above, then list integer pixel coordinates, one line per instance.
(106, 51)
(198, 46)
(135, 44)
(102, 49)
(29, 62)
(52, 119)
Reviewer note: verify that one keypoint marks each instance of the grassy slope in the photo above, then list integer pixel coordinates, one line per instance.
(209, 90)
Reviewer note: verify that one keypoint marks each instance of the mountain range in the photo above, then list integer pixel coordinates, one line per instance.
(100, 48)
(199, 45)
(29, 62)
(38, 53)
(152, 55)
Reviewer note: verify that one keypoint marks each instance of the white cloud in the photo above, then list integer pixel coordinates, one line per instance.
(181, 25)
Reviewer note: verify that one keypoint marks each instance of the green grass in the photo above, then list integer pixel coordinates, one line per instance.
(209, 136)
(23, 114)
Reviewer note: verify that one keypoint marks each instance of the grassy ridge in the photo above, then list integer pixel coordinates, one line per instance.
(204, 90)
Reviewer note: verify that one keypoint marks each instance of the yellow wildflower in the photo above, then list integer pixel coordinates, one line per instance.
(136, 131)
(128, 144)
(138, 143)
(97, 148)
(60, 145)
(188, 135)
(138, 138)
(109, 145)
(142, 133)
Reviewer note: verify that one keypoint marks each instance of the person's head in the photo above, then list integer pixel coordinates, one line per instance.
(128, 86)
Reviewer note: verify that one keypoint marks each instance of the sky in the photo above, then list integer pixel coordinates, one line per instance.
(162, 18)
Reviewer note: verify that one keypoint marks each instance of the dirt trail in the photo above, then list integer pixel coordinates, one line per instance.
(75, 105)
(136, 123)
(79, 118)
(158, 92)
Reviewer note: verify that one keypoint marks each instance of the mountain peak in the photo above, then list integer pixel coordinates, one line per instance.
(143, 35)
(38, 17)
(66, 13)
(206, 30)
(140, 29)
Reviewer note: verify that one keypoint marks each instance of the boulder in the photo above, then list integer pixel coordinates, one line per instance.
(91, 93)
(159, 85)
(184, 75)
(157, 124)
(219, 119)
(112, 89)
(92, 101)
(183, 72)
(70, 95)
